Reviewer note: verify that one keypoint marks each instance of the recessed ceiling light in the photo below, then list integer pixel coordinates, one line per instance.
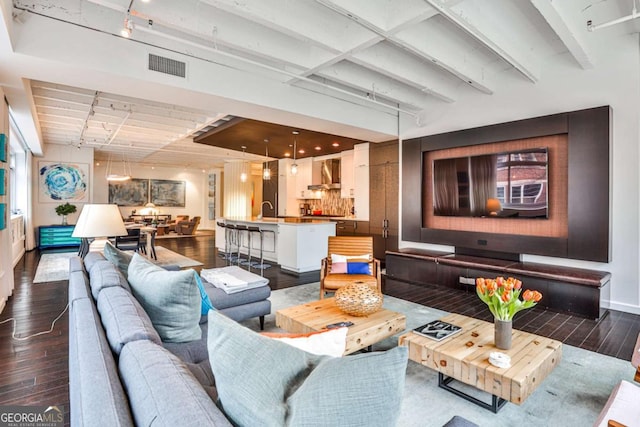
(301, 151)
(335, 144)
(287, 154)
(318, 148)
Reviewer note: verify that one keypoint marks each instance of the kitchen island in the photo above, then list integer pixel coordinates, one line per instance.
(298, 245)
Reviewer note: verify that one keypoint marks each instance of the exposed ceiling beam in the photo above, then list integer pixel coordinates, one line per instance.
(509, 54)
(569, 35)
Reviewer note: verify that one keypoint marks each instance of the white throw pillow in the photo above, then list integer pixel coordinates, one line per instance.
(330, 342)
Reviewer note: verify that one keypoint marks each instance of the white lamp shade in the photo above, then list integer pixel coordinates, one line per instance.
(99, 221)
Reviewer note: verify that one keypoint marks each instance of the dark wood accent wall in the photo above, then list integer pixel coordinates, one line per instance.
(384, 180)
(589, 139)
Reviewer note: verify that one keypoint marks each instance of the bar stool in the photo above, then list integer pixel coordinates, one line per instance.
(233, 240)
(251, 229)
(226, 254)
(262, 266)
(241, 229)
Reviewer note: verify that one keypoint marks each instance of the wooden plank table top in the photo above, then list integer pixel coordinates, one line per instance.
(364, 332)
(465, 357)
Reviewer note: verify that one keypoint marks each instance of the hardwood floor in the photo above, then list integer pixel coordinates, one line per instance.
(35, 371)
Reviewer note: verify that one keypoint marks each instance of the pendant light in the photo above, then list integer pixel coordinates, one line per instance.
(266, 172)
(294, 166)
(112, 176)
(243, 174)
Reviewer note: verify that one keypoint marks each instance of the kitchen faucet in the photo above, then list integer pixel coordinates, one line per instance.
(262, 206)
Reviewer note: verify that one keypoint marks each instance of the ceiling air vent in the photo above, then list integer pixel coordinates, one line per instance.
(166, 65)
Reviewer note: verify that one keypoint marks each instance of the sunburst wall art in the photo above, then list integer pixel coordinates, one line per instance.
(63, 182)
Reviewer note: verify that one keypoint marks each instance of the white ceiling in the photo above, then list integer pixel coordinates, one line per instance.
(411, 56)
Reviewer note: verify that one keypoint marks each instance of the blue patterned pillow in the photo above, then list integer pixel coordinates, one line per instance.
(206, 301)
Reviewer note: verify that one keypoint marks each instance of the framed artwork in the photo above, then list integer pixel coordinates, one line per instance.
(134, 192)
(63, 182)
(3, 183)
(3, 212)
(168, 193)
(3, 147)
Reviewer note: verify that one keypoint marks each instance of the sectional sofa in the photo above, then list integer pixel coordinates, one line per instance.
(126, 368)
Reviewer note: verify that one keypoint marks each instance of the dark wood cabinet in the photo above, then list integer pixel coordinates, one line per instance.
(346, 227)
(564, 289)
(384, 185)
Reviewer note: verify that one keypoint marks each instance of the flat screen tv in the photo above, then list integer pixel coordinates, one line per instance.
(502, 185)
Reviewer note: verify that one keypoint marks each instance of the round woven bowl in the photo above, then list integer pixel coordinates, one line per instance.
(358, 299)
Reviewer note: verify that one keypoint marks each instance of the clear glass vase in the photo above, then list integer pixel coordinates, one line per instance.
(64, 220)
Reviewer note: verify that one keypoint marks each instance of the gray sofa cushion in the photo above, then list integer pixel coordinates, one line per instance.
(124, 319)
(95, 392)
(170, 298)
(282, 385)
(103, 274)
(162, 390)
(91, 258)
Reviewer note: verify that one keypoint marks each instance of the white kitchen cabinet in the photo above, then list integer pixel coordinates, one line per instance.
(305, 178)
(347, 179)
(287, 200)
(361, 181)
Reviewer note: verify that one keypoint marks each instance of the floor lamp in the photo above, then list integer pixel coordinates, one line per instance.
(100, 220)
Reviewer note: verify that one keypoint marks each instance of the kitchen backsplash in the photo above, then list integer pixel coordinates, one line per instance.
(332, 204)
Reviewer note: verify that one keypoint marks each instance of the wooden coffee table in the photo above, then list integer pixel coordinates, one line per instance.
(364, 332)
(465, 357)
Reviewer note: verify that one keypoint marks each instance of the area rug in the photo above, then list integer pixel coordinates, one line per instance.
(53, 267)
(572, 395)
(168, 257)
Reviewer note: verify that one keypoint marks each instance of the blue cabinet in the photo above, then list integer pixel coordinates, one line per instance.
(55, 236)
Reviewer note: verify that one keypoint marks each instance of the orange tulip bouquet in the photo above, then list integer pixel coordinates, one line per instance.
(503, 296)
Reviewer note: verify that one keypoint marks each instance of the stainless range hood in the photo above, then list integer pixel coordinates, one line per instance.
(329, 176)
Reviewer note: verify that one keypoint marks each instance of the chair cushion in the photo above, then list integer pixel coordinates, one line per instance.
(171, 299)
(336, 281)
(282, 385)
(623, 405)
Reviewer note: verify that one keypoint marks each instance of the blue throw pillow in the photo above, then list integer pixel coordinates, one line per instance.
(206, 301)
(358, 268)
(283, 385)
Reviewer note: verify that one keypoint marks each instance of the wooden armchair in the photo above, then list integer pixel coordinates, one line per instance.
(188, 227)
(357, 248)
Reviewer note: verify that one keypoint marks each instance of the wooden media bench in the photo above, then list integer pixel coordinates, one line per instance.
(565, 289)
